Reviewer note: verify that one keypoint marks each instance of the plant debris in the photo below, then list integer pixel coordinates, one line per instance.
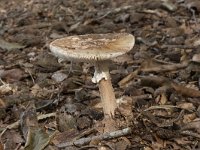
(46, 103)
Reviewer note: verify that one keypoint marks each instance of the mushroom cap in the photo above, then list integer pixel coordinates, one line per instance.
(92, 47)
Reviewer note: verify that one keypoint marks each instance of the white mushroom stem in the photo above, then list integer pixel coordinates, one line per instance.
(102, 77)
(99, 75)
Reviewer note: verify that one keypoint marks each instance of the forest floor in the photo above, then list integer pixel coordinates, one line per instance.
(47, 104)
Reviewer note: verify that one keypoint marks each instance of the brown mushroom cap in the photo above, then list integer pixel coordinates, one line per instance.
(92, 47)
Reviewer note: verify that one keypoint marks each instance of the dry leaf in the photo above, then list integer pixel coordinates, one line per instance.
(161, 99)
(10, 46)
(186, 91)
(196, 58)
(189, 117)
(12, 75)
(37, 91)
(5, 88)
(187, 106)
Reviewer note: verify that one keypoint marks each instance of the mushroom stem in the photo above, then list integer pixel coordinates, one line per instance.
(106, 90)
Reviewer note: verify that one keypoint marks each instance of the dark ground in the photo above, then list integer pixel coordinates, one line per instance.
(43, 103)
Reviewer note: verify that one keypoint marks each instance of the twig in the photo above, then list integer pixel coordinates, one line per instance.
(196, 135)
(146, 42)
(116, 10)
(194, 16)
(39, 25)
(165, 68)
(2, 82)
(153, 12)
(167, 123)
(178, 46)
(40, 117)
(105, 136)
(160, 68)
(162, 61)
(128, 78)
(141, 97)
(166, 107)
(31, 76)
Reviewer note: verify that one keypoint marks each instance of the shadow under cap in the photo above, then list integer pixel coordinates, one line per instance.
(93, 47)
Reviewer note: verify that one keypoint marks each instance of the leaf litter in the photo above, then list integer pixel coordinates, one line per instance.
(156, 84)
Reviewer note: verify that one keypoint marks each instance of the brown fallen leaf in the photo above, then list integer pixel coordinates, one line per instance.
(12, 75)
(196, 58)
(123, 144)
(124, 58)
(36, 137)
(161, 99)
(65, 122)
(66, 136)
(11, 140)
(189, 118)
(37, 91)
(5, 88)
(47, 63)
(10, 46)
(185, 91)
(186, 106)
(192, 125)
(3, 104)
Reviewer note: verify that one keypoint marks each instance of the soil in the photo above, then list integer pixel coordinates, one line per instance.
(47, 103)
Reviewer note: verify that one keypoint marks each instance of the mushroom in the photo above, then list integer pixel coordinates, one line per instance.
(97, 49)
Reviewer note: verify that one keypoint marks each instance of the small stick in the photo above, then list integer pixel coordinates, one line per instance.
(167, 123)
(165, 68)
(189, 133)
(161, 68)
(39, 25)
(116, 10)
(140, 97)
(166, 107)
(105, 136)
(178, 46)
(128, 78)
